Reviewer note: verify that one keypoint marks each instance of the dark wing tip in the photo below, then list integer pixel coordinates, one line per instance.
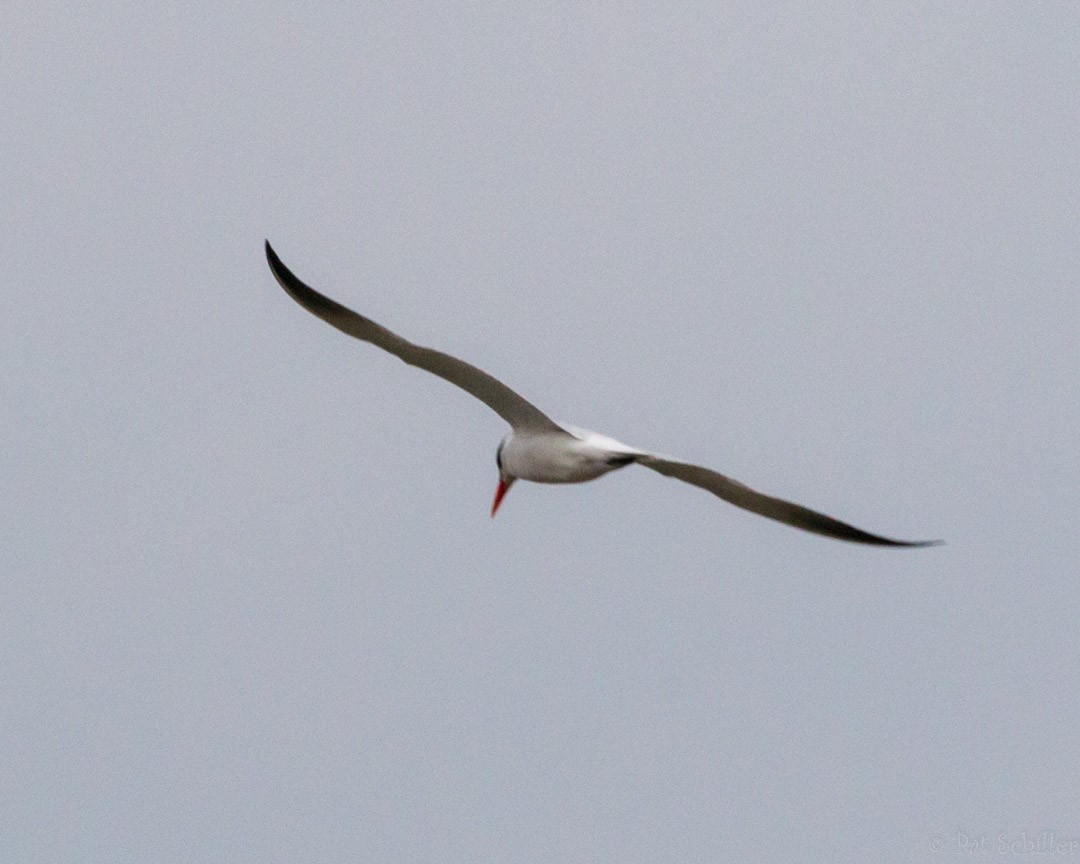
(843, 531)
(278, 269)
(303, 294)
(819, 523)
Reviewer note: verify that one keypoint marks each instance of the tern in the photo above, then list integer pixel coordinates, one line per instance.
(543, 451)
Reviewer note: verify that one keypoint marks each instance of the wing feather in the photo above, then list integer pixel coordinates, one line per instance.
(515, 410)
(765, 505)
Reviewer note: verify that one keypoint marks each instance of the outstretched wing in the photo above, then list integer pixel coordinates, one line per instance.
(518, 412)
(765, 505)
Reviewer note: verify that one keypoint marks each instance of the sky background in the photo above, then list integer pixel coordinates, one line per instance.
(253, 607)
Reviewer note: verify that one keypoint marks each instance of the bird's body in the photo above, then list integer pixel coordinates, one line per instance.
(542, 451)
(561, 457)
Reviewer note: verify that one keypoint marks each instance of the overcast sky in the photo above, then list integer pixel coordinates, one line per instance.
(253, 607)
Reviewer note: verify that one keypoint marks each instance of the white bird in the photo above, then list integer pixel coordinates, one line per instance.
(543, 451)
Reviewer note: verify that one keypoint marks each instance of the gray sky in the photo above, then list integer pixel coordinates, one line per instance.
(253, 608)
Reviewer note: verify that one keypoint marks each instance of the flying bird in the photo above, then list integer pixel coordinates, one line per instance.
(543, 451)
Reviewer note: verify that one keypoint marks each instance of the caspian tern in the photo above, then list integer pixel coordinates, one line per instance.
(543, 451)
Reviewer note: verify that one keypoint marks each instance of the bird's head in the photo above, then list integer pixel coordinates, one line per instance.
(505, 480)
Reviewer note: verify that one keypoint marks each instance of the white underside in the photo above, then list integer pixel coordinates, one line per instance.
(546, 457)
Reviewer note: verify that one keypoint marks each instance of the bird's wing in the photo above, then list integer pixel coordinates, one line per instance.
(765, 505)
(515, 410)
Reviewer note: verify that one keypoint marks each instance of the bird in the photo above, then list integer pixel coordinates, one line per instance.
(539, 450)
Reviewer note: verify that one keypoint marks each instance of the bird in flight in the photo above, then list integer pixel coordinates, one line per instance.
(543, 451)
